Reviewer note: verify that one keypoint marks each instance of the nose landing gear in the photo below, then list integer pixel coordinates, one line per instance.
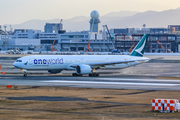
(25, 75)
(25, 72)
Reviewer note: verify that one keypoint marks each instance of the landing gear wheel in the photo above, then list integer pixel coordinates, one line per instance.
(94, 75)
(75, 74)
(25, 75)
(97, 74)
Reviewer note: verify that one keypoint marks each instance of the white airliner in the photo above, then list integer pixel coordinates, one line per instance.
(83, 64)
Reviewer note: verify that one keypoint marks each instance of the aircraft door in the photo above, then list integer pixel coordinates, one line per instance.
(107, 60)
(82, 60)
(30, 61)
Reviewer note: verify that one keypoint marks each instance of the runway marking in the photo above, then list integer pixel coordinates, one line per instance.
(156, 80)
(112, 83)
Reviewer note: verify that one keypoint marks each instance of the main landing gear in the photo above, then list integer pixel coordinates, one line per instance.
(75, 74)
(90, 75)
(94, 75)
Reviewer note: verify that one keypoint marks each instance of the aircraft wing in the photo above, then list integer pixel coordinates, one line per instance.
(116, 62)
(111, 63)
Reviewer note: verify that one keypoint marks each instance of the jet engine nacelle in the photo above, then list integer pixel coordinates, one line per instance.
(83, 69)
(54, 71)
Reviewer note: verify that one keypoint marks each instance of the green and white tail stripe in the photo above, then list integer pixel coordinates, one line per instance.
(139, 49)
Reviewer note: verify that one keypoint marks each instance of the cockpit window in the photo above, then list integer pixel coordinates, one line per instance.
(19, 61)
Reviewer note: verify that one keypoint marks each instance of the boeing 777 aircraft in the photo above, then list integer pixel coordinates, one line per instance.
(83, 64)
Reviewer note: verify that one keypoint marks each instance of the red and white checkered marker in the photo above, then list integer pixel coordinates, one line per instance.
(164, 104)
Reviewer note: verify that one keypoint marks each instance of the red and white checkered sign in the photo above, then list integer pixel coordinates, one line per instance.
(164, 104)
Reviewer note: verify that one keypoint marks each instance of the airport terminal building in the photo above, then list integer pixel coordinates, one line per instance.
(124, 39)
(78, 41)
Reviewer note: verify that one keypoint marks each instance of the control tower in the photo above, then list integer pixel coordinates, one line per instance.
(94, 21)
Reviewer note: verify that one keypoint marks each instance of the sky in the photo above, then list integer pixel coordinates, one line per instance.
(19, 11)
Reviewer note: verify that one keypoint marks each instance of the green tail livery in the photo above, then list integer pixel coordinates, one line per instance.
(139, 49)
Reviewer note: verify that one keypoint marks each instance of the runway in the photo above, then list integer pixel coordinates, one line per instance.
(111, 82)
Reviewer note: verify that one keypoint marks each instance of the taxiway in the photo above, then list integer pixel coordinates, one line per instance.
(111, 82)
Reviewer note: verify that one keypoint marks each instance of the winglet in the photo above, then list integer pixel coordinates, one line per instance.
(139, 49)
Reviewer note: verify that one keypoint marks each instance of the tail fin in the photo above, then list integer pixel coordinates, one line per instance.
(139, 49)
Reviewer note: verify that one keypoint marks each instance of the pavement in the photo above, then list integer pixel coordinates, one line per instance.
(111, 82)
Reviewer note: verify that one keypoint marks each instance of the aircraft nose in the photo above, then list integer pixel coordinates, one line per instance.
(15, 64)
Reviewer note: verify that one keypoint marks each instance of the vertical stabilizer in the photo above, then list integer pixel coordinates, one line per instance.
(140, 47)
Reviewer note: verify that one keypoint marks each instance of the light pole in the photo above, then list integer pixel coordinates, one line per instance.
(5, 33)
(144, 26)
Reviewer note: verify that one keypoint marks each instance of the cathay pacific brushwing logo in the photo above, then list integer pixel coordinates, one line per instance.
(26, 63)
(141, 48)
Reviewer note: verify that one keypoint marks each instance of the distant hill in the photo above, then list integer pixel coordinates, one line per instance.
(121, 19)
(120, 14)
(150, 18)
(68, 24)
